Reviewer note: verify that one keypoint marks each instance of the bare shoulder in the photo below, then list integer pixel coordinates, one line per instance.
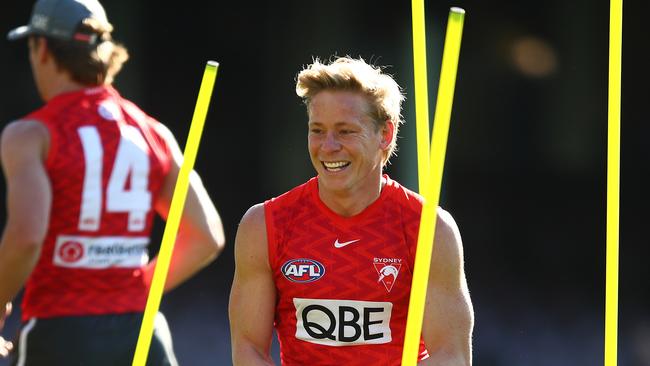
(24, 130)
(446, 226)
(447, 257)
(252, 226)
(254, 216)
(20, 138)
(250, 243)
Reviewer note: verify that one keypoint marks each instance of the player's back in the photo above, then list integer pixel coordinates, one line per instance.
(106, 164)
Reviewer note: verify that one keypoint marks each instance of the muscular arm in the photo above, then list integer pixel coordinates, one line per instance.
(448, 314)
(22, 148)
(200, 235)
(252, 298)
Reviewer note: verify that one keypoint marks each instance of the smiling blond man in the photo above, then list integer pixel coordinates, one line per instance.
(329, 263)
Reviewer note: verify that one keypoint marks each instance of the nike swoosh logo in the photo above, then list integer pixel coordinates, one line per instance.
(341, 245)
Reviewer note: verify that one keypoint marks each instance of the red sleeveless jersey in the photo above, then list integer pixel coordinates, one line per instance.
(106, 164)
(343, 284)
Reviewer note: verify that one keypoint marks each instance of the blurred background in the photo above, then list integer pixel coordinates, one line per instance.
(525, 175)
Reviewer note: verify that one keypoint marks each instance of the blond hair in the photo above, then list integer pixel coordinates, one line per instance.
(384, 96)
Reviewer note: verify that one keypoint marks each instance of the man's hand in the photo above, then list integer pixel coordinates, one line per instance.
(5, 346)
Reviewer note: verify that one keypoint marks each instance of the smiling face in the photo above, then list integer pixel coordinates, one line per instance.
(346, 147)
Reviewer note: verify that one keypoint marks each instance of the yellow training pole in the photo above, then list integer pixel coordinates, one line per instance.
(613, 180)
(413, 326)
(421, 94)
(175, 213)
(431, 195)
(411, 341)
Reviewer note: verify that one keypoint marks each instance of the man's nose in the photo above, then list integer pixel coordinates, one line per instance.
(331, 142)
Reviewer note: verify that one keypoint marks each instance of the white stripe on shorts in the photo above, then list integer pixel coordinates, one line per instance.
(22, 347)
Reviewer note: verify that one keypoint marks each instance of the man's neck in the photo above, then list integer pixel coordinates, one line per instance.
(351, 203)
(60, 85)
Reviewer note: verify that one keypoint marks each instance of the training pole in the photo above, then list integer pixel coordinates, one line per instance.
(430, 170)
(175, 213)
(613, 179)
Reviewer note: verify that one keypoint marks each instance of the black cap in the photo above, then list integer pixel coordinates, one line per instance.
(60, 19)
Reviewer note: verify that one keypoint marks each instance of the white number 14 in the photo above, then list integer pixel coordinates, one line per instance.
(131, 163)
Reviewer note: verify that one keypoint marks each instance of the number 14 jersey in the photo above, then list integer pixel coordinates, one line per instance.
(106, 164)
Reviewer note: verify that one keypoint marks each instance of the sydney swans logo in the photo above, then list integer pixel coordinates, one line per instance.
(388, 270)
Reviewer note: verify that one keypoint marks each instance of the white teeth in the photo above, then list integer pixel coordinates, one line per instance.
(335, 165)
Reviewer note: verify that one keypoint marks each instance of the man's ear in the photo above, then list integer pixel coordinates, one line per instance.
(387, 134)
(41, 48)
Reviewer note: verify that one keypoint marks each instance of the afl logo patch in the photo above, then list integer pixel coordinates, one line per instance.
(303, 270)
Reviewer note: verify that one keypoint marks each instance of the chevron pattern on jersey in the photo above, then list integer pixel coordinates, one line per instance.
(60, 291)
(383, 234)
